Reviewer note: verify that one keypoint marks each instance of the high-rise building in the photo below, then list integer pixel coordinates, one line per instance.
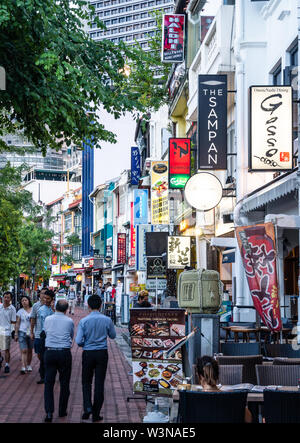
(128, 20)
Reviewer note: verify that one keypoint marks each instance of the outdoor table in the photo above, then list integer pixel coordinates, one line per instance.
(239, 329)
(252, 397)
(275, 336)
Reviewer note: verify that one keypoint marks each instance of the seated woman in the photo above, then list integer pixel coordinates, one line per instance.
(208, 373)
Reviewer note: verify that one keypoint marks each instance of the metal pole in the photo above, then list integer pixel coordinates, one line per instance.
(298, 177)
(156, 293)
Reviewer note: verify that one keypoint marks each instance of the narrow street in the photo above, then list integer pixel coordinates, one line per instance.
(22, 400)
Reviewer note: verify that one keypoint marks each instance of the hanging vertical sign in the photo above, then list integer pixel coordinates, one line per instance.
(141, 258)
(159, 193)
(132, 236)
(271, 128)
(121, 248)
(140, 197)
(54, 258)
(135, 165)
(179, 252)
(173, 38)
(212, 122)
(258, 251)
(179, 162)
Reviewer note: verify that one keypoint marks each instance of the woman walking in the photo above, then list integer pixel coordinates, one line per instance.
(22, 333)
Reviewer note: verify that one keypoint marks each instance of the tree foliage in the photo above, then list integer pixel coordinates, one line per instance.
(57, 77)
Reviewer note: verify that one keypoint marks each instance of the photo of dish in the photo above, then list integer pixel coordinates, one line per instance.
(156, 353)
(154, 383)
(157, 342)
(177, 330)
(178, 355)
(147, 342)
(172, 368)
(153, 373)
(160, 186)
(137, 341)
(136, 353)
(140, 373)
(137, 329)
(143, 364)
(174, 382)
(167, 375)
(168, 343)
(147, 354)
(145, 380)
(164, 384)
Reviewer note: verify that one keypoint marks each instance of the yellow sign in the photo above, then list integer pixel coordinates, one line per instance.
(159, 193)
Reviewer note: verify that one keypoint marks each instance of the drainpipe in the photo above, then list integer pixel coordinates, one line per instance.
(298, 177)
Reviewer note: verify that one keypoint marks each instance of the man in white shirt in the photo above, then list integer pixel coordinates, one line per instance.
(7, 318)
(71, 300)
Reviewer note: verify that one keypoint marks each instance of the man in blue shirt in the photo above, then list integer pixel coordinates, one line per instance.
(92, 334)
(59, 330)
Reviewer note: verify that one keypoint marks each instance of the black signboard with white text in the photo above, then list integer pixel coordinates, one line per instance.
(212, 122)
(156, 267)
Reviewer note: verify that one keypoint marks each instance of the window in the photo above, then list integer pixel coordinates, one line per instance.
(294, 56)
(129, 28)
(107, 22)
(144, 15)
(68, 222)
(136, 16)
(128, 8)
(114, 21)
(151, 3)
(277, 76)
(129, 18)
(122, 29)
(121, 10)
(106, 13)
(144, 5)
(94, 25)
(136, 26)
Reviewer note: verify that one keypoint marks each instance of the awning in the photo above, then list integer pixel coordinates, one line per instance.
(77, 270)
(273, 192)
(58, 276)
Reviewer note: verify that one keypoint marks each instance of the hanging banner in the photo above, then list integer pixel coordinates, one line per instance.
(54, 257)
(159, 193)
(179, 162)
(121, 248)
(258, 251)
(131, 260)
(271, 128)
(152, 333)
(141, 258)
(140, 197)
(173, 38)
(179, 252)
(156, 268)
(135, 165)
(212, 122)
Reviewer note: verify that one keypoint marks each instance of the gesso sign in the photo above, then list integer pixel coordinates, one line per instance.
(212, 122)
(271, 143)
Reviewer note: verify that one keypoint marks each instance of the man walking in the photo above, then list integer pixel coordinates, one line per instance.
(92, 334)
(71, 300)
(7, 318)
(59, 330)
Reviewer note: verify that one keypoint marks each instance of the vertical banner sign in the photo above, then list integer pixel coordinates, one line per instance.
(135, 165)
(141, 258)
(121, 248)
(140, 197)
(132, 234)
(179, 252)
(159, 193)
(258, 251)
(212, 122)
(173, 38)
(54, 258)
(271, 128)
(152, 333)
(179, 162)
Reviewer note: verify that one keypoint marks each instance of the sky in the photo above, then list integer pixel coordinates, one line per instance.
(112, 159)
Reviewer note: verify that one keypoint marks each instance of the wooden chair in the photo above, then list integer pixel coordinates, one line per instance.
(248, 361)
(212, 407)
(278, 375)
(231, 374)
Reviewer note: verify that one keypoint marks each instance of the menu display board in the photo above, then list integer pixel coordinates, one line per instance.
(152, 333)
(121, 251)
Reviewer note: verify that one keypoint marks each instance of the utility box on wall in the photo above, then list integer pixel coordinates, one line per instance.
(200, 291)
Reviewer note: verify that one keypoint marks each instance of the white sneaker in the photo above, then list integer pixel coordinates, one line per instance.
(29, 369)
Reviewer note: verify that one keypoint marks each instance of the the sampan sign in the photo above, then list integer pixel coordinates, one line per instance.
(271, 142)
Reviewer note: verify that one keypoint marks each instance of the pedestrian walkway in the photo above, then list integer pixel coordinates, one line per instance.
(22, 400)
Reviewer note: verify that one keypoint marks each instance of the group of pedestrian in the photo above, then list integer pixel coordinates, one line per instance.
(47, 329)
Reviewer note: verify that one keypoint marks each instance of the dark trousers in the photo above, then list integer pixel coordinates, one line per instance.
(93, 362)
(42, 357)
(60, 361)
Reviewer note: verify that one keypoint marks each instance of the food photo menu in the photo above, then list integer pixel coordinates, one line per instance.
(152, 333)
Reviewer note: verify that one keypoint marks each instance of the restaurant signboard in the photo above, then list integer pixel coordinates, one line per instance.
(135, 165)
(173, 38)
(258, 251)
(140, 197)
(212, 122)
(179, 252)
(156, 268)
(159, 193)
(271, 131)
(121, 248)
(152, 332)
(179, 162)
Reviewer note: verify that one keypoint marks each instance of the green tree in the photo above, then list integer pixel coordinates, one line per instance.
(57, 77)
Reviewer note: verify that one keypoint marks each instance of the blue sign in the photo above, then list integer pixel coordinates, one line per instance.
(135, 165)
(140, 207)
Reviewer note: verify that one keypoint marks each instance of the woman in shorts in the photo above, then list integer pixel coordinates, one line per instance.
(22, 333)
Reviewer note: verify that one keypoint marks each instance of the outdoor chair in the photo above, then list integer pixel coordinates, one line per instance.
(231, 374)
(281, 406)
(212, 407)
(281, 350)
(278, 375)
(248, 361)
(240, 348)
(286, 361)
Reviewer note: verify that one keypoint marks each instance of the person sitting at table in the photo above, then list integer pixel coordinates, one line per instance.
(208, 373)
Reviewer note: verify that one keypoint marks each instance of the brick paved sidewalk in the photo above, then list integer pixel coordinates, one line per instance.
(22, 400)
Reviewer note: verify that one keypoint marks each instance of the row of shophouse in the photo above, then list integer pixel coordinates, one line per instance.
(252, 43)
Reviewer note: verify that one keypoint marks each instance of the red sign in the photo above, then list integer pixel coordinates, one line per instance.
(179, 162)
(258, 251)
(54, 258)
(121, 245)
(173, 38)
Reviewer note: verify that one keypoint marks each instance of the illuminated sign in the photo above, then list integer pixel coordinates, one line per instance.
(173, 38)
(121, 248)
(203, 191)
(159, 193)
(179, 162)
